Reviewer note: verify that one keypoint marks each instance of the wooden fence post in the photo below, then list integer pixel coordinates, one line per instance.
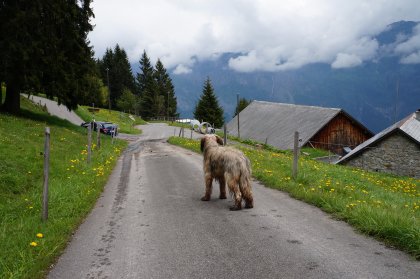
(224, 134)
(182, 129)
(89, 148)
(46, 174)
(295, 155)
(98, 139)
(191, 134)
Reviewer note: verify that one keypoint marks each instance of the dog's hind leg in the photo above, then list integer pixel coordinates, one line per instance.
(249, 200)
(222, 183)
(237, 196)
(245, 187)
(208, 180)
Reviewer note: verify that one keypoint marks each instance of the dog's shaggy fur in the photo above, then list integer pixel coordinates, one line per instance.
(229, 165)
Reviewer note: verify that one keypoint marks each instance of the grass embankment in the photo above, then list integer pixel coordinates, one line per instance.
(310, 153)
(380, 205)
(124, 122)
(28, 246)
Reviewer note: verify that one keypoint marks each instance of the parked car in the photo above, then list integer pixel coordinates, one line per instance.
(85, 124)
(107, 128)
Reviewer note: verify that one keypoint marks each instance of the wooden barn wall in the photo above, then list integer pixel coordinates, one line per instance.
(340, 132)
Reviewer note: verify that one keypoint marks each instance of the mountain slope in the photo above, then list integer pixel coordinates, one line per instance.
(377, 93)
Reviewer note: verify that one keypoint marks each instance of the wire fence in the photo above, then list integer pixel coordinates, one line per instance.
(399, 158)
(46, 153)
(387, 148)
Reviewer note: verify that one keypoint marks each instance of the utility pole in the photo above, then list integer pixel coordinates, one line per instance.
(396, 100)
(295, 155)
(109, 89)
(237, 105)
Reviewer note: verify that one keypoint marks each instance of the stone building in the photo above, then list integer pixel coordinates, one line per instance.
(395, 150)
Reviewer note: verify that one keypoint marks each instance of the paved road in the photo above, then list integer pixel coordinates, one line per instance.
(150, 223)
(58, 110)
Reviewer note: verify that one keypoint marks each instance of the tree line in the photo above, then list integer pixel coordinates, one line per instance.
(44, 48)
(149, 94)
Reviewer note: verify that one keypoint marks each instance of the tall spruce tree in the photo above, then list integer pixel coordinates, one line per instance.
(44, 47)
(146, 85)
(207, 108)
(116, 68)
(165, 90)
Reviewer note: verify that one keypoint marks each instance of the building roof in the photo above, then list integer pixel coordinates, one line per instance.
(409, 126)
(276, 123)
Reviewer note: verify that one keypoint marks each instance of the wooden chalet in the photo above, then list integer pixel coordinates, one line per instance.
(275, 123)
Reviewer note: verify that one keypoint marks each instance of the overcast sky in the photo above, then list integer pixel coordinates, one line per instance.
(269, 35)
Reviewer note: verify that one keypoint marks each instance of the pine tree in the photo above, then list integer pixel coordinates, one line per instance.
(123, 69)
(207, 108)
(172, 101)
(146, 85)
(166, 90)
(116, 68)
(44, 47)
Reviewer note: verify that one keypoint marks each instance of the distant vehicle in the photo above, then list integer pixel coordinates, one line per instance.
(94, 124)
(206, 128)
(107, 128)
(85, 124)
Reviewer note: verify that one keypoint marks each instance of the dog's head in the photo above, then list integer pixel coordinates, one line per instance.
(209, 140)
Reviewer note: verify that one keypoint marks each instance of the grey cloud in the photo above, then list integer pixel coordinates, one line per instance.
(271, 35)
(413, 58)
(345, 60)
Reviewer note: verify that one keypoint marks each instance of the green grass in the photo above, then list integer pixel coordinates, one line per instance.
(125, 124)
(74, 188)
(305, 151)
(383, 206)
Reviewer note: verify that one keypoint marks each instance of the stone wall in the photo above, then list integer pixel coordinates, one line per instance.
(396, 154)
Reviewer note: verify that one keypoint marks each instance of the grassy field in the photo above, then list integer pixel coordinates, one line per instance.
(125, 124)
(383, 206)
(29, 246)
(308, 152)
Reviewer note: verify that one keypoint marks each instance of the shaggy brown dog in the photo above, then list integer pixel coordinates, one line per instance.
(226, 165)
